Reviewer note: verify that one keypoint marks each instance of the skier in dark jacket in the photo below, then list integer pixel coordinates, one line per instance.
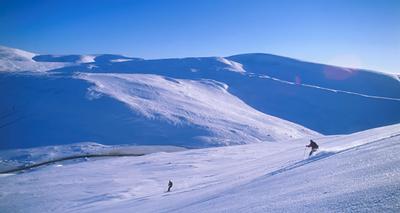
(314, 147)
(170, 185)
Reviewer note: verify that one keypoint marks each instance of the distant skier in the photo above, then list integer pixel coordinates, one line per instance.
(314, 147)
(170, 186)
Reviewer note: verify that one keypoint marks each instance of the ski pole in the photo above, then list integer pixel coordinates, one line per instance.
(304, 152)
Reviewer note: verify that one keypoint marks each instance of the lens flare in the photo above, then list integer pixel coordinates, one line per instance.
(342, 73)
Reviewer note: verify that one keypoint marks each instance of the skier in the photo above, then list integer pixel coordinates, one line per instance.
(314, 147)
(169, 186)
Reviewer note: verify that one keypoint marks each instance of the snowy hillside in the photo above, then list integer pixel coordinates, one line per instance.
(205, 104)
(192, 102)
(131, 109)
(15, 60)
(358, 172)
(19, 159)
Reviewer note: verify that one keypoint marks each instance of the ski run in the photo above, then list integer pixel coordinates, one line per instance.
(359, 172)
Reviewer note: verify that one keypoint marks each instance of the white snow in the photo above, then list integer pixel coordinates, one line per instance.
(87, 58)
(297, 91)
(14, 159)
(232, 65)
(205, 103)
(187, 102)
(121, 60)
(326, 89)
(353, 173)
(15, 60)
(16, 54)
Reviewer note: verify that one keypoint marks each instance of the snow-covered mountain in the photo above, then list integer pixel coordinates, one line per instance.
(15, 60)
(67, 106)
(193, 102)
(353, 173)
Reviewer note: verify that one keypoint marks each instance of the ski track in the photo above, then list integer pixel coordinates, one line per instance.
(205, 180)
(326, 89)
(322, 154)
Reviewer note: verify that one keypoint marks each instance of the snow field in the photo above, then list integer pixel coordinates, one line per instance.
(358, 172)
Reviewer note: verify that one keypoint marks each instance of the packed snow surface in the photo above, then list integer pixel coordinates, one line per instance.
(20, 159)
(352, 173)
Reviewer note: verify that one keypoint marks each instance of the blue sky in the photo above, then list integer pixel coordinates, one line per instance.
(356, 33)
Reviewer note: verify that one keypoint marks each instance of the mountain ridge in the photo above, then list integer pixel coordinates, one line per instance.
(325, 99)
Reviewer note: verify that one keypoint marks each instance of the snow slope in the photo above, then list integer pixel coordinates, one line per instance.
(353, 173)
(15, 60)
(57, 107)
(20, 159)
(206, 104)
(130, 109)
